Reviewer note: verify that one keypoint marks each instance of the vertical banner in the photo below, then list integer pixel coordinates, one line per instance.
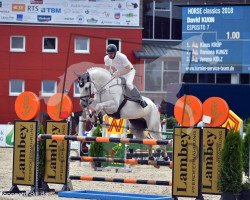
(187, 162)
(24, 161)
(213, 142)
(56, 154)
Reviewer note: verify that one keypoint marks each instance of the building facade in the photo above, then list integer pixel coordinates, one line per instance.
(35, 56)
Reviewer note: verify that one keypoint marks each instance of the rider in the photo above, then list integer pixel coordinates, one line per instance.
(123, 67)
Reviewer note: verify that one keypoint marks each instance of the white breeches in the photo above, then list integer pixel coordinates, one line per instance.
(130, 78)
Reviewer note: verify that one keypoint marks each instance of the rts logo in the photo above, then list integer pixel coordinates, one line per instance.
(32, 8)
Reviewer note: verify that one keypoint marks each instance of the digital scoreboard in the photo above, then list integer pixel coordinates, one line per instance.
(216, 39)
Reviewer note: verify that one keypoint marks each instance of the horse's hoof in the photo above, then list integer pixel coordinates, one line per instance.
(166, 158)
(151, 158)
(157, 166)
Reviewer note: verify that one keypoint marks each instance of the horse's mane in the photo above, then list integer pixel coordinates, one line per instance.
(99, 74)
(98, 69)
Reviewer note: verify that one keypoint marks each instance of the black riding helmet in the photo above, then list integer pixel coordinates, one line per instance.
(111, 48)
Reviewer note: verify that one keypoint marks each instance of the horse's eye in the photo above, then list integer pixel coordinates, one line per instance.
(86, 88)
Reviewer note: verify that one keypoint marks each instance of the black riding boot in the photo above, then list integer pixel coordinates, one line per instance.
(143, 103)
(136, 96)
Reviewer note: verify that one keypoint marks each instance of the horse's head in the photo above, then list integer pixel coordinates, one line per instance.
(86, 89)
(93, 82)
(82, 79)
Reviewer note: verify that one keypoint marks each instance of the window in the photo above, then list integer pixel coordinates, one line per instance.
(76, 89)
(17, 43)
(153, 75)
(50, 44)
(244, 78)
(206, 78)
(223, 78)
(116, 42)
(160, 73)
(161, 19)
(49, 88)
(170, 73)
(81, 45)
(157, 19)
(148, 19)
(189, 78)
(16, 87)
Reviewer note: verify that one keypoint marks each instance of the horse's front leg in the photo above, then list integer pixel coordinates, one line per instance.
(109, 106)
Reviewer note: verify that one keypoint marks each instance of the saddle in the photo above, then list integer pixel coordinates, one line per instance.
(129, 95)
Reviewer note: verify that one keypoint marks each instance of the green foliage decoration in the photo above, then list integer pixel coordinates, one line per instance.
(231, 164)
(245, 151)
(97, 149)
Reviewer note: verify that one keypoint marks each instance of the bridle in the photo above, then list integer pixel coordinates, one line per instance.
(82, 80)
(85, 78)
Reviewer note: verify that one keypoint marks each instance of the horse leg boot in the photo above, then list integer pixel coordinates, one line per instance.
(164, 153)
(151, 157)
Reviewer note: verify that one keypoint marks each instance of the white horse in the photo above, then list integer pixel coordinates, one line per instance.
(102, 92)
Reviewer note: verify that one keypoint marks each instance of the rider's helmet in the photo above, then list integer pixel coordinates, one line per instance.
(111, 48)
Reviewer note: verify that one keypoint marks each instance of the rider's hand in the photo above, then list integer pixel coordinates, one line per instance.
(116, 74)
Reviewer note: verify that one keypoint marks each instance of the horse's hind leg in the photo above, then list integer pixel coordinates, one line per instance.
(155, 127)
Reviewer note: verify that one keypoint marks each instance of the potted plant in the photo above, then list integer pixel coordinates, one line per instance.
(245, 151)
(231, 167)
(97, 149)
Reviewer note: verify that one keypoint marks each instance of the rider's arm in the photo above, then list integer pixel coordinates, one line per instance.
(109, 68)
(127, 66)
(126, 70)
(108, 64)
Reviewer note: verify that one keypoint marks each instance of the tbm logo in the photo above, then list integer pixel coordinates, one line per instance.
(53, 154)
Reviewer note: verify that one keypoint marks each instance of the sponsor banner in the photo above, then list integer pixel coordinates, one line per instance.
(24, 161)
(187, 162)
(71, 12)
(6, 135)
(56, 154)
(114, 126)
(213, 142)
(234, 122)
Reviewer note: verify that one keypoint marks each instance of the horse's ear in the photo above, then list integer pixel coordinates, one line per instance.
(78, 75)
